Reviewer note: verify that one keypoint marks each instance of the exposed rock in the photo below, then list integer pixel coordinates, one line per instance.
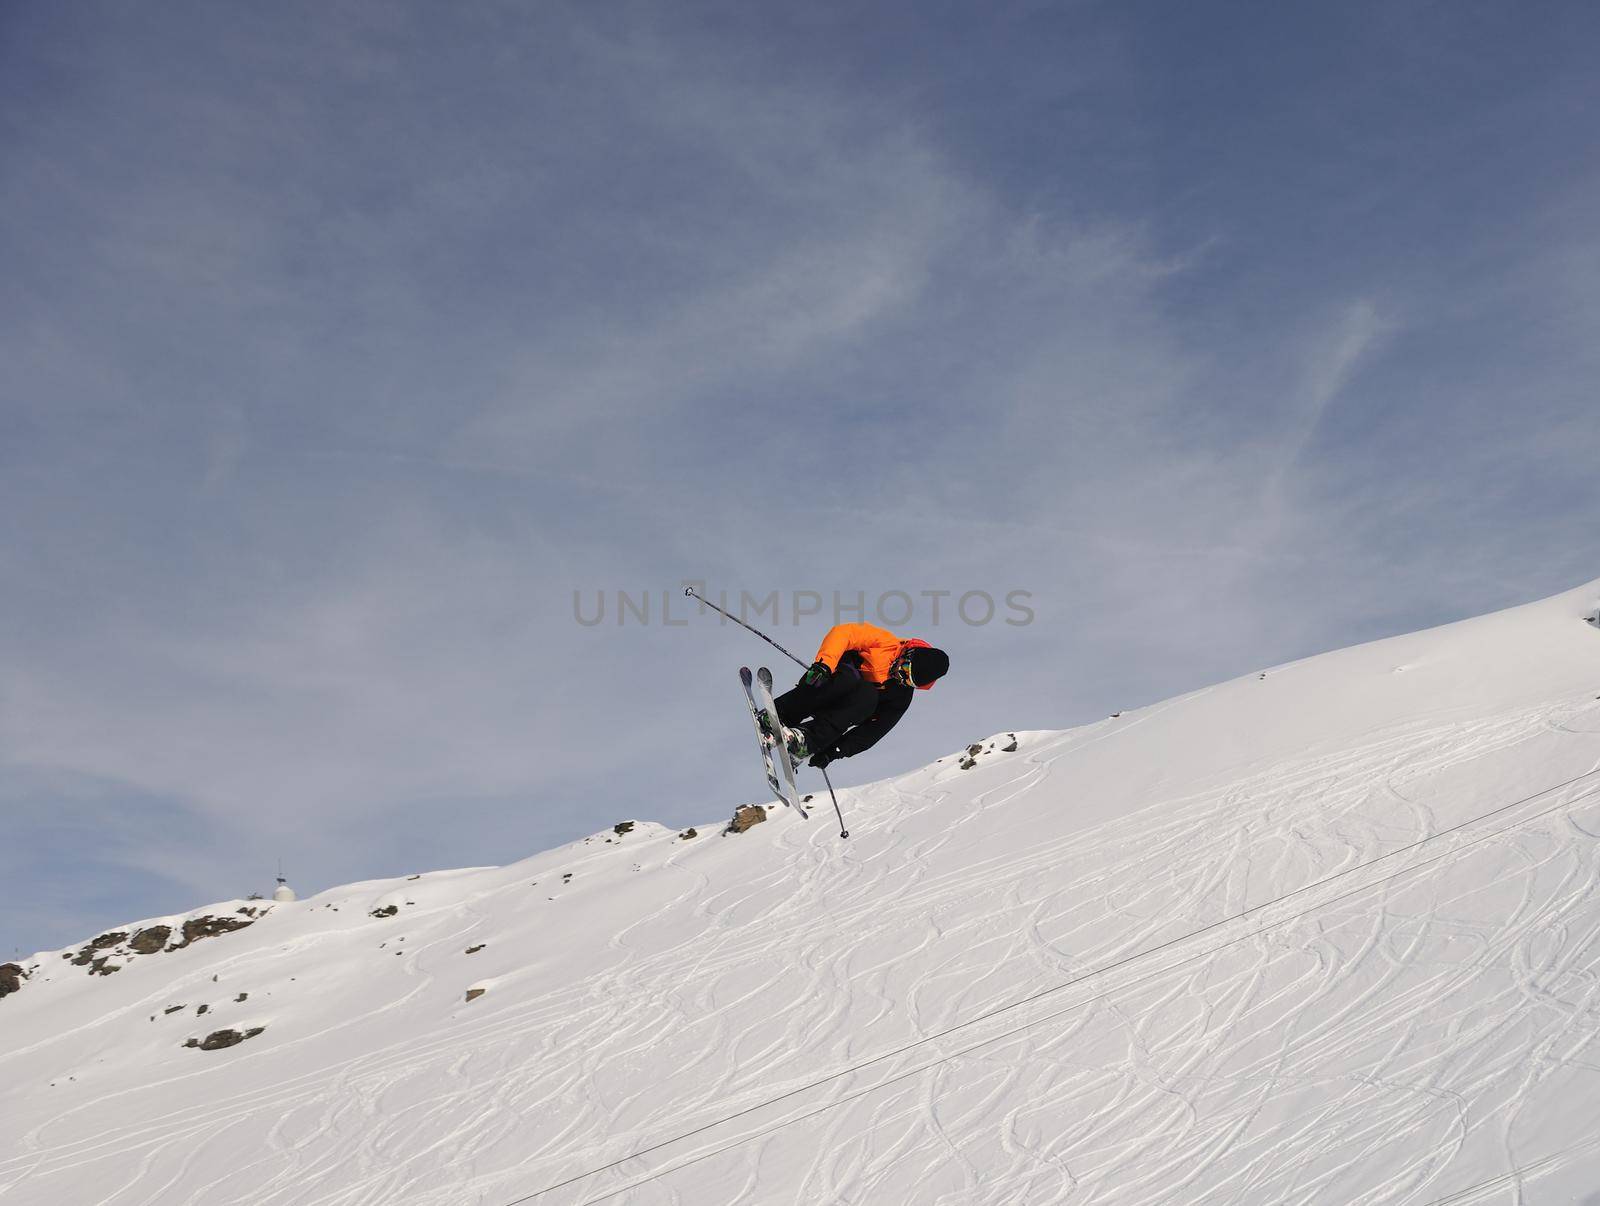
(151, 941)
(689, 833)
(86, 955)
(622, 827)
(244, 996)
(473, 950)
(197, 928)
(103, 966)
(218, 1039)
(11, 978)
(746, 816)
(474, 993)
(388, 911)
(1012, 748)
(202, 1009)
(174, 1008)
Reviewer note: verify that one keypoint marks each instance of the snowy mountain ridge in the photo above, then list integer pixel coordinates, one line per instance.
(1324, 933)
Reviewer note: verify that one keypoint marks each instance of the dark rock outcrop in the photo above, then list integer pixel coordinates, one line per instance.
(474, 993)
(11, 978)
(473, 950)
(86, 956)
(149, 942)
(388, 911)
(746, 816)
(197, 928)
(219, 1039)
(689, 833)
(622, 827)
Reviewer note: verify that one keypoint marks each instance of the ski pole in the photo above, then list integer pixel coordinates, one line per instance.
(843, 832)
(691, 592)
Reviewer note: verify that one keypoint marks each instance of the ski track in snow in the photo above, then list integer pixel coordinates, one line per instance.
(1404, 1044)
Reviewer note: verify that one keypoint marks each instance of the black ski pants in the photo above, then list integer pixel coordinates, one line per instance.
(842, 702)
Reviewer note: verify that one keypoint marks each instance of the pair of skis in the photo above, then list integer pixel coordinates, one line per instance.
(774, 738)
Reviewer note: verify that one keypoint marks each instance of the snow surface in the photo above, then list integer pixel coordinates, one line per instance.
(1326, 934)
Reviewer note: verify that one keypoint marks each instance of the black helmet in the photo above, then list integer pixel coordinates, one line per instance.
(928, 666)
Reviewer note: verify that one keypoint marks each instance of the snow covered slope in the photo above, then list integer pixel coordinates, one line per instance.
(1329, 934)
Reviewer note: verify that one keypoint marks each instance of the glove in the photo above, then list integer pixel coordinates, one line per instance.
(821, 758)
(816, 675)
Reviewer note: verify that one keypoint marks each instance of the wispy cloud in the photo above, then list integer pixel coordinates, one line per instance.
(1357, 333)
(340, 347)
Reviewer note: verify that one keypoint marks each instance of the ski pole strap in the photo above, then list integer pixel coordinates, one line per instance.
(693, 594)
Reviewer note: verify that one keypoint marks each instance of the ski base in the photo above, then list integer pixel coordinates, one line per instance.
(773, 737)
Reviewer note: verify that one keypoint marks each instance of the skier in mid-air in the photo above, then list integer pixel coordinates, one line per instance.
(855, 691)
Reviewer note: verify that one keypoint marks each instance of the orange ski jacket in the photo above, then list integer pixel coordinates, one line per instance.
(877, 648)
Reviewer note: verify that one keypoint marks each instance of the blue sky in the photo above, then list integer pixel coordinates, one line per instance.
(341, 344)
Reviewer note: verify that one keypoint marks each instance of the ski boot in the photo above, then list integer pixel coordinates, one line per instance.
(799, 745)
